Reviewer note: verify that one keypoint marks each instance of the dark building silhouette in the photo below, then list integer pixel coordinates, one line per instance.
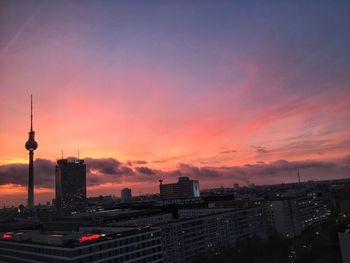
(126, 195)
(184, 188)
(70, 185)
(31, 145)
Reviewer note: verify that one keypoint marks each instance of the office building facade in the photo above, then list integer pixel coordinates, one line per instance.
(70, 185)
(184, 188)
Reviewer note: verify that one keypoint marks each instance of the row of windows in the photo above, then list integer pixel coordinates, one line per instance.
(144, 241)
(155, 251)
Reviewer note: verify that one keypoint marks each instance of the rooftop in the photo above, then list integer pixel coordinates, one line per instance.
(68, 239)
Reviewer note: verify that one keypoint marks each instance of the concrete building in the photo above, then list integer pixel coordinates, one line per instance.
(282, 216)
(199, 230)
(295, 212)
(98, 244)
(184, 239)
(312, 209)
(146, 220)
(126, 195)
(184, 188)
(70, 183)
(344, 240)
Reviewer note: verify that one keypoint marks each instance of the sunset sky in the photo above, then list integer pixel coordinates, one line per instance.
(221, 91)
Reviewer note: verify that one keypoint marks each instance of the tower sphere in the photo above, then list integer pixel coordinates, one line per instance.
(31, 145)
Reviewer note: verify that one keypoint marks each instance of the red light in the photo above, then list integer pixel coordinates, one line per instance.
(6, 236)
(89, 237)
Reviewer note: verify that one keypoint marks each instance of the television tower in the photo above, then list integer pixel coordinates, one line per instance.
(31, 146)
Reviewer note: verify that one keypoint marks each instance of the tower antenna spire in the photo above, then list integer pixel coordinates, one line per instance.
(31, 112)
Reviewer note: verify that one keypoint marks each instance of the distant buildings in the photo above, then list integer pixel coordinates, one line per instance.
(184, 188)
(126, 195)
(98, 202)
(176, 229)
(70, 185)
(89, 244)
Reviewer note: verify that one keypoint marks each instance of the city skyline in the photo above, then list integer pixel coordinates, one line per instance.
(245, 96)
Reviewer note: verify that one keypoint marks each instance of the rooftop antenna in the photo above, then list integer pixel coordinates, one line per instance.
(62, 154)
(298, 176)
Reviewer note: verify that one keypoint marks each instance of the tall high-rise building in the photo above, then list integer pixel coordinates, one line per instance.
(125, 195)
(70, 185)
(184, 188)
(31, 145)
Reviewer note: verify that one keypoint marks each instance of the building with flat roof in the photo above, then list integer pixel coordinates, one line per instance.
(70, 184)
(125, 195)
(89, 244)
(295, 212)
(184, 188)
(199, 230)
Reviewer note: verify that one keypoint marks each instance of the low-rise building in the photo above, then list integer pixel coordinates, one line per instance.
(89, 244)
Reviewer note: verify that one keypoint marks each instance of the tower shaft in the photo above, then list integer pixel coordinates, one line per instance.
(31, 146)
(31, 181)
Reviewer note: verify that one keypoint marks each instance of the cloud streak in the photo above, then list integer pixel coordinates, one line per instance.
(22, 29)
